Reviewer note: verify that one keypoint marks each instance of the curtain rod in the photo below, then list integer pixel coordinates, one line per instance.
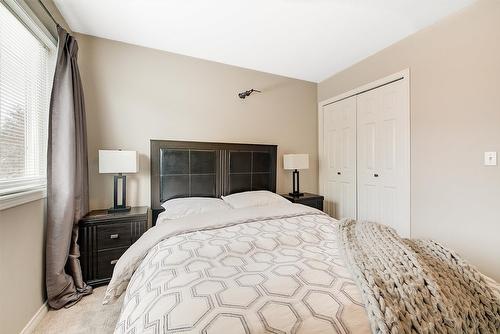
(48, 13)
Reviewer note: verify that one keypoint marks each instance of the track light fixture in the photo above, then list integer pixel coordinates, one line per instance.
(244, 94)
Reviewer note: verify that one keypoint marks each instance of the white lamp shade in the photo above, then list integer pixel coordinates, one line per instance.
(296, 161)
(116, 161)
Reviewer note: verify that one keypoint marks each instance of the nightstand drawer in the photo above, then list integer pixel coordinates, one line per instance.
(113, 235)
(106, 262)
(104, 237)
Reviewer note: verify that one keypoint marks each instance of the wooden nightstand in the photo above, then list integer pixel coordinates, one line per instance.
(104, 237)
(312, 200)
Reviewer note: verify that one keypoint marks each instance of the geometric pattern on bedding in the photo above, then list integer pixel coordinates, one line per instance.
(275, 276)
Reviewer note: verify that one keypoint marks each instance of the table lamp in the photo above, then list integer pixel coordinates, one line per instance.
(295, 162)
(118, 162)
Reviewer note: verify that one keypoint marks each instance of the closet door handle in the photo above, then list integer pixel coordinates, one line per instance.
(114, 236)
(376, 175)
(338, 173)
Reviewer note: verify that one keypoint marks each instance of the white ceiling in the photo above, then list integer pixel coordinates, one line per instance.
(303, 39)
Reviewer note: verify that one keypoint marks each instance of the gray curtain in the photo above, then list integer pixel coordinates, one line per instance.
(67, 178)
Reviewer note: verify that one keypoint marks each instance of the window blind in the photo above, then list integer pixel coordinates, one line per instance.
(25, 83)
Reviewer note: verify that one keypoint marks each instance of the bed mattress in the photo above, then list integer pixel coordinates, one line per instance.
(257, 270)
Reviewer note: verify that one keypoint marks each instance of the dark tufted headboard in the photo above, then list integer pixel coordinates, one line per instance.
(187, 169)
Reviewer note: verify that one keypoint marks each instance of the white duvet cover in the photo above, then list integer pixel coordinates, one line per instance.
(274, 269)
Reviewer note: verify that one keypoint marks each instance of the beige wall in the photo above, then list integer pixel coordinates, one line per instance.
(134, 94)
(22, 254)
(455, 118)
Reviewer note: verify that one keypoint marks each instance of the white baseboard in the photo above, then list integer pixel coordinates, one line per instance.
(35, 320)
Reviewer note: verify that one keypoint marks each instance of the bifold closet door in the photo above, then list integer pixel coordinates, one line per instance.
(383, 156)
(339, 158)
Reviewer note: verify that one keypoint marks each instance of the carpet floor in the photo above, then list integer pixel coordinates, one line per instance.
(87, 316)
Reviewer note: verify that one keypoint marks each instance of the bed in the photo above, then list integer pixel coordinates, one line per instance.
(280, 267)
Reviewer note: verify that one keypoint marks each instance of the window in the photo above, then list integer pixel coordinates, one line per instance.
(26, 70)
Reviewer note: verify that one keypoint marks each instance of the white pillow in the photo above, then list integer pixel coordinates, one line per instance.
(182, 207)
(254, 198)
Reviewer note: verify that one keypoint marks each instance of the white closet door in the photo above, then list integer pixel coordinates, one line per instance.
(339, 158)
(383, 156)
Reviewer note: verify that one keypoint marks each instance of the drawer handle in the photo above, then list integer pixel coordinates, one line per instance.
(113, 261)
(114, 236)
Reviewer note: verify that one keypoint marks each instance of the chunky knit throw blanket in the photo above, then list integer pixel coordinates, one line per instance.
(416, 286)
